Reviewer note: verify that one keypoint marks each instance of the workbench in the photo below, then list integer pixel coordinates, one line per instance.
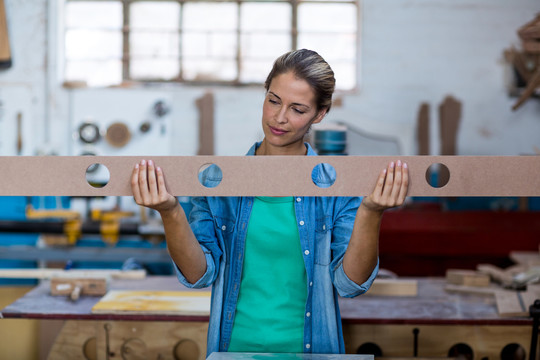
(441, 320)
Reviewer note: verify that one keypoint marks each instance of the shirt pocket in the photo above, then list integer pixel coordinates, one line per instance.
(323, 240)
(224, 227)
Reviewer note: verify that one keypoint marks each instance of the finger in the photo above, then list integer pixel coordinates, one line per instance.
(143, 183)
(398, 176)
(135, 188)
(379, 186)
(404, 184)
(389, 181)
(162, 188)
(152, 183)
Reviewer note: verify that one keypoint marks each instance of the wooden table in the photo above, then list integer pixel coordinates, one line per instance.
(443, 319)
(432, 306)
(251, 356)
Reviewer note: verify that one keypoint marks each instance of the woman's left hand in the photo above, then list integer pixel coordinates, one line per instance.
(391, 188)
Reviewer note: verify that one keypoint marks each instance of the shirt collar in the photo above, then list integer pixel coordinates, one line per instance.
(251, 151)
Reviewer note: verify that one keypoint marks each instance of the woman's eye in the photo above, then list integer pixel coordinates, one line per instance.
(299, 111)
(272, 101)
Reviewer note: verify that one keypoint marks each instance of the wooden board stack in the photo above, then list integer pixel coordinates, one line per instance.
(530, 40)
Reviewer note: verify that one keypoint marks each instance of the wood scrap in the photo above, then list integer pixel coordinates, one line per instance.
(471, 290)
(422, 129)
(519, 60)
(526, 258)
(154, 302)
(497, 274)
(532, 84)
(205, 105)
(394, 287)
(531, 30)
(5, 53)
(74, 287)
(509, 302)
(449, 119)
(467, 278)
(530, 40)
(50, 273)
(515, 303)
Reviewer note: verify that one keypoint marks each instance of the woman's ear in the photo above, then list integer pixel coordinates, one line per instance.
(320, 115)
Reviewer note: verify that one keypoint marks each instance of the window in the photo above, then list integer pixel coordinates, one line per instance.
(108, 42)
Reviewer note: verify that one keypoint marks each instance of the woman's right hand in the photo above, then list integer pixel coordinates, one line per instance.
(148, 186)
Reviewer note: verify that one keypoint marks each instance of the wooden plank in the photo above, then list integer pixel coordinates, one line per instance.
(74, 287)
(422, 129)
(532, 84)
(50, 273)
(393, 287)
(527, 258)
(510, 303)
(497, 274)
(205, 104)
(530, 30)
(471, 290)
(154, 302)
(449, 119)
(467, 278)
(356, 175)
(5, 53)
(531, 46)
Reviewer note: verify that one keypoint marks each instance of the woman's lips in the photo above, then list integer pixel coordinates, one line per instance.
(276, 131)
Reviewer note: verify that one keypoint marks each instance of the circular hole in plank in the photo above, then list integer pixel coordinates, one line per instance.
(513, 352)
(210, 175)
(323, 175)
(97, 175)
(437, 175)
(461, 351)
(369, 348)
(186, 350)
(90, 349)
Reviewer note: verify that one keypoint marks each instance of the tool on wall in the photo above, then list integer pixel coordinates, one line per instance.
(108, 224)
(118, 134)
(160, 109)
(5, 54)
(89, 132)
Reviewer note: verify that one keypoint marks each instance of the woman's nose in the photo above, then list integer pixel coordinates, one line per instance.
(281, 116)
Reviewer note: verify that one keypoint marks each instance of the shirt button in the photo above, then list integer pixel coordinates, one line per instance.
(223, 228)
(324, 227)
(301, 222)
(298, 199)
(306, 252)
(308, 314)
(308, 346)
(311, 283)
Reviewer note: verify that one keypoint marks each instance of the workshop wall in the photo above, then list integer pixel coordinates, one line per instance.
(410, 52)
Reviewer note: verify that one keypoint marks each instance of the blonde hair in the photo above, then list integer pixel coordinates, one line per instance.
(307, 65)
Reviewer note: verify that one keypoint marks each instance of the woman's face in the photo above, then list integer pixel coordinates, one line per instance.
(289, 110)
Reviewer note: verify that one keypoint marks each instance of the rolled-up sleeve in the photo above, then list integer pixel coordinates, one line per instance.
(202, 225)
(348, 288)
(345, 211)
(207, 279)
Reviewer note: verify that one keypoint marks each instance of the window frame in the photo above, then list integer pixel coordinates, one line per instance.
(126, 55)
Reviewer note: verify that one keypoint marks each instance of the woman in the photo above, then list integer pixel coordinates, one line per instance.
(277, 265)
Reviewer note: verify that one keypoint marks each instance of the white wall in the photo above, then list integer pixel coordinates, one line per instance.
(412, 51)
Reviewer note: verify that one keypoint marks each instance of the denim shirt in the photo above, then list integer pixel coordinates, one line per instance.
(324, 224)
